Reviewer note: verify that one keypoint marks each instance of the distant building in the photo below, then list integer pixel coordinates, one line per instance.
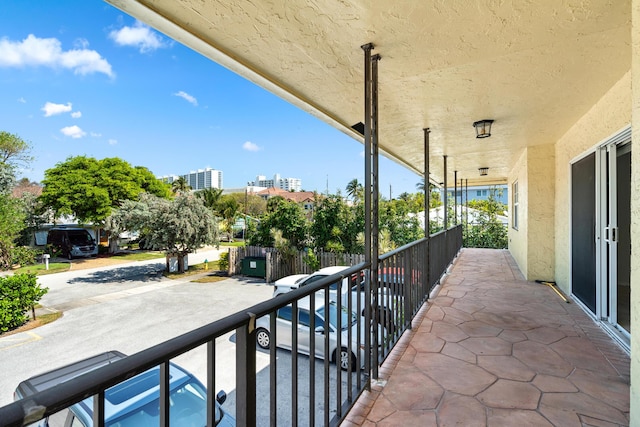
(287, 184)
(481, 192)
(304, 198)
(198, 180)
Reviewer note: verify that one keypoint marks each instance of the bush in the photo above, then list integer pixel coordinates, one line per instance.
(223, 263)
(24, 255)
(18, 294)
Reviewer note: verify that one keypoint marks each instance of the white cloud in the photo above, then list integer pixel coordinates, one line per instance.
(95, 134)
(187, 97)
(21, 100)
(34, 52)
(51, 109)
(362, 154)
(76, 114)
(113, 141)
(250, 146)
(139, 36)
(73, 131)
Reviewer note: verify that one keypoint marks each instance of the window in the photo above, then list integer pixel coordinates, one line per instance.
(285, 313)
(479, 193)
(514, 195)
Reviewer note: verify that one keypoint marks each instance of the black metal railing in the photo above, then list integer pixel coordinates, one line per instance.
(301, 389)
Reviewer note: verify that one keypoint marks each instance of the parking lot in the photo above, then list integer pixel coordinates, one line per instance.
(127, 308)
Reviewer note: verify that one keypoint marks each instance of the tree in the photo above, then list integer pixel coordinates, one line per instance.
(89, 189)
(178, 226)
(283, 215)
(228, 209)
(209, 196)
(355, 190)
(11, 224)
(14, 153)
(180, 185)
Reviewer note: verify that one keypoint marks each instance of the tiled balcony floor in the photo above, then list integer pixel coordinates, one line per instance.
(492, 349)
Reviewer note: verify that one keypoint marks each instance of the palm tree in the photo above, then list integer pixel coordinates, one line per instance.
(210, 197)
(355, 190)
(180, 185)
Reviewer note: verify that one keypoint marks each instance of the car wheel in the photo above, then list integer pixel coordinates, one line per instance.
(345, 356)
(263, 338)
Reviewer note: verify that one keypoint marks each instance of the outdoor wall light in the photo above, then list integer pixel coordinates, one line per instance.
(483, 128)
(483, 171)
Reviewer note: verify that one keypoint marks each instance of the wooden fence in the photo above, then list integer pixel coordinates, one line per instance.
(277, 267)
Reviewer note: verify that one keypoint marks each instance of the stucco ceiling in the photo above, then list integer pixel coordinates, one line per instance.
(533, 66)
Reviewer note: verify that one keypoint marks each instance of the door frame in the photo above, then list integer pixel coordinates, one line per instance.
(605, 294)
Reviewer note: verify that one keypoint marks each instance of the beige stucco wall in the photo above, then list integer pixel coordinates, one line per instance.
(518, 238)
(532, 244)
(609, 115)
(540, 212)
(635, 217)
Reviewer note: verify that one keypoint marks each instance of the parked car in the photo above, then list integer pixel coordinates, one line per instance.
(72, 242)
(348, 320)
(132, 403)
(289, 283)
(353, 284)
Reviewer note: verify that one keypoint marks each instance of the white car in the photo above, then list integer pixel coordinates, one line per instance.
(349, 285)
(289, 283)
(344, 356)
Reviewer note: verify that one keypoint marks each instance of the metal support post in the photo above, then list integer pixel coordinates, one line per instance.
(427, 202)
(367, 193)
(375, 214)
(446, 195)
(246, 375)
(455, 197)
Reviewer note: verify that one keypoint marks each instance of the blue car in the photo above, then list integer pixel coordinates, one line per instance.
(132, 403)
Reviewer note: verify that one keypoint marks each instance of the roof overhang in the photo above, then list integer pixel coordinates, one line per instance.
(533, 67)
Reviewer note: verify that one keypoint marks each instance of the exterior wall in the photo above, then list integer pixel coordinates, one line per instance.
(518, 238)
(540, 214)
(635, 216)
(607, 116)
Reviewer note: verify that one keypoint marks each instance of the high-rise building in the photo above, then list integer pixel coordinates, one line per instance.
(288, 184)
(198, 180)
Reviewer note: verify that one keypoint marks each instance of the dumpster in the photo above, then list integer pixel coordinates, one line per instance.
(254, 266)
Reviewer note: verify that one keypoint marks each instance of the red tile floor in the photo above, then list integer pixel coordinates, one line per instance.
(491, 349)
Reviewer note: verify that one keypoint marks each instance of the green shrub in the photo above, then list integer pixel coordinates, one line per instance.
(18, 294)
(311, 260)
(24, 255)
(223, 263)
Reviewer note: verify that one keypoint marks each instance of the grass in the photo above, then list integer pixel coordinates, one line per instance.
(39, 269)
(41, 320)
(233, 244)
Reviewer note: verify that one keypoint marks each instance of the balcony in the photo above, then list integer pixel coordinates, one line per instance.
(494, 349)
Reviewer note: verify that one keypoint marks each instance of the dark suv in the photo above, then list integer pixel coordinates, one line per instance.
(132, 403)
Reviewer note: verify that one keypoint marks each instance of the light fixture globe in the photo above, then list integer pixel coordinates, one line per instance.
(483, 128)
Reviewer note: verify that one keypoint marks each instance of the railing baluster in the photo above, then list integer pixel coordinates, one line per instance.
(273, 381)
(164, 394)
(294, 363)
(312, 358)
(98, 409)
(246, 374)
(211, 383)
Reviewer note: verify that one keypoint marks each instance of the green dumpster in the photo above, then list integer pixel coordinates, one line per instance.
(254, 266)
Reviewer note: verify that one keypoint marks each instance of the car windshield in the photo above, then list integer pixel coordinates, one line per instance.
(346, 319)
(79, 238)
(188, 407)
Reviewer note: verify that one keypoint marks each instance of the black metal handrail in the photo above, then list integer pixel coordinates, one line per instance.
(393, 303)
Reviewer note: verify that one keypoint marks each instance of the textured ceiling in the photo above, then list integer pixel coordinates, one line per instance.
(534, 66)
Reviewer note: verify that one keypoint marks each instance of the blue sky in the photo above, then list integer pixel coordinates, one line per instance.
(83, 78)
